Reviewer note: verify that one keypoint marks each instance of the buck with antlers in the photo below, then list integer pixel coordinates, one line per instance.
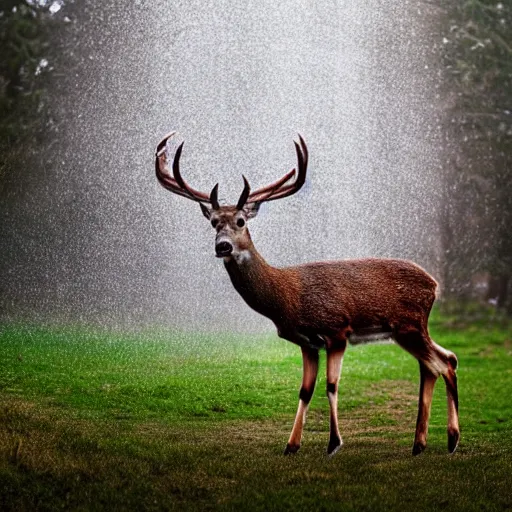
(325, 304)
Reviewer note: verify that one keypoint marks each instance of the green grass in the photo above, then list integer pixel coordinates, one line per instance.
(103, 421)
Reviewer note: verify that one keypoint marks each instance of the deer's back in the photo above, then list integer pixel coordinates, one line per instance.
(362, 292)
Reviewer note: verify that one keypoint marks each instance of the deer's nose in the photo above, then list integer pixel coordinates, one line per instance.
(223, 249)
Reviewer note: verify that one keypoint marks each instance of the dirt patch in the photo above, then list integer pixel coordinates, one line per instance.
(396, 398)
(44, 438)
(390, 410)
(492, 349)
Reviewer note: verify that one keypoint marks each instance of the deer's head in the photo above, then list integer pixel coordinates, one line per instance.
(230, 222)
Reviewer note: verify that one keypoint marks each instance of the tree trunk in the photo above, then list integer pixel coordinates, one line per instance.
(503, 283)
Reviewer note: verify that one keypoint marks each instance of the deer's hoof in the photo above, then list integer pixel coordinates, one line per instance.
(334, 446)
(453, 440)
(418, 448)
(291, 449)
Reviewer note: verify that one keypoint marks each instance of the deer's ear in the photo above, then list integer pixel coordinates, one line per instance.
(207, 212)
(252, 209)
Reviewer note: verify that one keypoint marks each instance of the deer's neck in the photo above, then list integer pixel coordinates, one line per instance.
(256, 281)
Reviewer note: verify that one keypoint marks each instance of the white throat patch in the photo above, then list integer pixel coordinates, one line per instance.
(242, 256)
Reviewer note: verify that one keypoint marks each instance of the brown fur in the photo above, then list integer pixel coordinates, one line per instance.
(333, 297)
(325, 303)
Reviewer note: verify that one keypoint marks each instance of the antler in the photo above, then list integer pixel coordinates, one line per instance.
(277, 190)
(175, 183)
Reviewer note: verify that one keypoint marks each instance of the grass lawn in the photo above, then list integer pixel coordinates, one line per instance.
(102, 421)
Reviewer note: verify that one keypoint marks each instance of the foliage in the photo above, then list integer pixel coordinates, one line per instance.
(25, 52)
(98, 421)
(478, 45)
(480, 58)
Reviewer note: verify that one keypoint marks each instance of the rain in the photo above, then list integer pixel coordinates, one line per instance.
(133, 376)
(88, 235)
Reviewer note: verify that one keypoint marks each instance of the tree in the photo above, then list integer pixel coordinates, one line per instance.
(25, 59)
(478, 55)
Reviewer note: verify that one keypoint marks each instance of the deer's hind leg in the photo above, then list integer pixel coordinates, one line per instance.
(452, 395)
(427, 383)
(434, 361)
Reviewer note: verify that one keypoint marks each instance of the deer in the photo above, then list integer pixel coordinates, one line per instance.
(325, 305)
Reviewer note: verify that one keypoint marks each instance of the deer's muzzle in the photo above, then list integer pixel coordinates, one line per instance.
(223, 248)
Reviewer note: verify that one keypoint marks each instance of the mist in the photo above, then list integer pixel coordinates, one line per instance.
(88, 235)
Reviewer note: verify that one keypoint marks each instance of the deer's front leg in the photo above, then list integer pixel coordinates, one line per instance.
(334, 363)
(310, 370)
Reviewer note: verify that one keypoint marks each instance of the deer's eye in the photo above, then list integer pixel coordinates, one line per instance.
(215, 222)
(240, 223)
